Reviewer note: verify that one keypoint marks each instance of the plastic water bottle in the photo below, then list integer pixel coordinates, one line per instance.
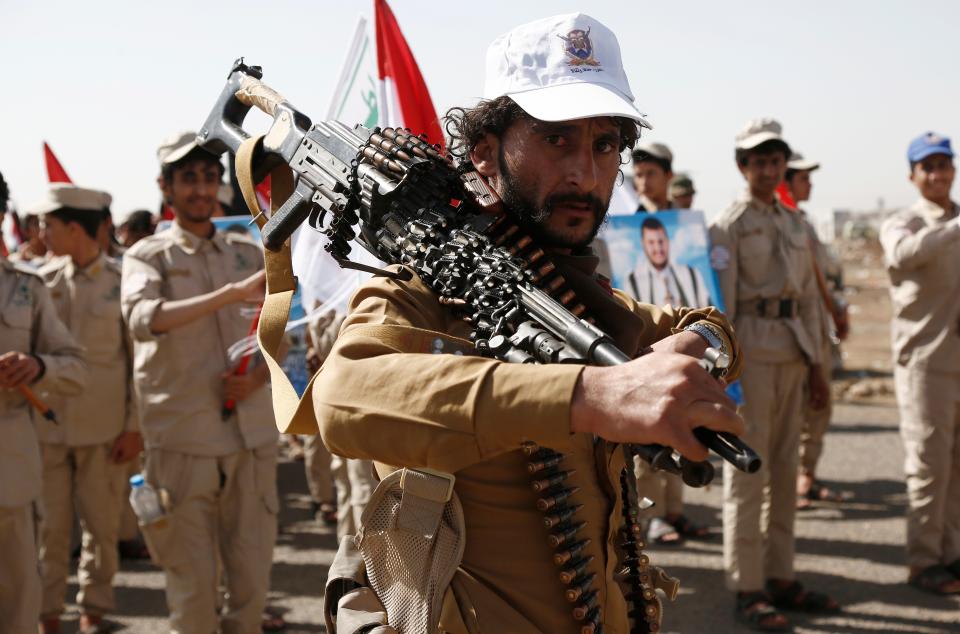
(144, 500)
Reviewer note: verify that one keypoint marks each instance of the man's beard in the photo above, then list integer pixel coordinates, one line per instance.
(535, 218)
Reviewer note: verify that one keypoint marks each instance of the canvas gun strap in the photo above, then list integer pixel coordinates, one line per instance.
(292, 414)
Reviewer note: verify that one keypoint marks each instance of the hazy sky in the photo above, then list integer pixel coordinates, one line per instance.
(852, 82)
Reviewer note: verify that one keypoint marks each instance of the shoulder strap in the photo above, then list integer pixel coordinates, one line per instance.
(292, 414)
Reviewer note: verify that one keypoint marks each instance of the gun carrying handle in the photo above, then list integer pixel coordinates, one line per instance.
(254, 92)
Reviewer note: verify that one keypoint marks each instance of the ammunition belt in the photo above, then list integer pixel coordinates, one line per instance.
(556, 499)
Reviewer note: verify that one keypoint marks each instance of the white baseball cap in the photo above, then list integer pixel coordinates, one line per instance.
(176, 146)
(561, 68)
(62, 195)
(759, 131)
(798, 162)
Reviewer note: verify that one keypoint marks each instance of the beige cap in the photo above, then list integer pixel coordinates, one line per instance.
(682, 185)
(797, 162)
(656, 150)
(176, 147)
(759, 131)
(63, 195)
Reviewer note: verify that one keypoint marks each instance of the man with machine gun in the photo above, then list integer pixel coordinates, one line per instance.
(548, 141)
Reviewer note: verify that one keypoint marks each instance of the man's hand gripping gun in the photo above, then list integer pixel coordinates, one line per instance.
(406, 204)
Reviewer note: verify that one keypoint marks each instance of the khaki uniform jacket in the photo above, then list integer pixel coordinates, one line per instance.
(826, 264)
(88, 303)
(179, 374)
(921, 247)
(762, 251)
(408, 405)
(28, 323)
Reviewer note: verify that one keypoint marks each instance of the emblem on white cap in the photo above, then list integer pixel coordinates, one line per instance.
(561, 68)
(579, 48)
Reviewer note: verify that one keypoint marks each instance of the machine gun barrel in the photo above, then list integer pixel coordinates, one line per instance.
(593, 345)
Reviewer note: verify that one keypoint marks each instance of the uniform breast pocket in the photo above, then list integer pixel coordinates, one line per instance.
(798, 247)
(754, 251)
(15, 330)
(103, 330)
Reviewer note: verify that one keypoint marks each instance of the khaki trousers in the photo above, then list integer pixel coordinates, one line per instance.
(758, 509)
(815, 422)
(930, 427)
(355, 483)
(316, 462)
(226, 504)
(664, 489)
(83, 482)
(19, 574)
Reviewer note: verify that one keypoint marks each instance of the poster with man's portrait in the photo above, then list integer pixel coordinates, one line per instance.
(663, 258)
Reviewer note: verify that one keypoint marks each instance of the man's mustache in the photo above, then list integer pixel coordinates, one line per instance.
(595, 204)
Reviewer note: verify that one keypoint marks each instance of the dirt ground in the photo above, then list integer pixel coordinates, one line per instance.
(865, 376)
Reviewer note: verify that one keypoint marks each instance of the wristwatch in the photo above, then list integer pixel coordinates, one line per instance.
(710, 334)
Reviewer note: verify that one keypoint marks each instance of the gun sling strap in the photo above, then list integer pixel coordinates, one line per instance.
(294, 415)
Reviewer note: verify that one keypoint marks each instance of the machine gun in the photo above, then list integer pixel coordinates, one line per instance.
(407, 204)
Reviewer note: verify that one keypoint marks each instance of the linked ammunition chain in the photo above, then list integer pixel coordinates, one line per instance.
(646, 610)
(549, 481)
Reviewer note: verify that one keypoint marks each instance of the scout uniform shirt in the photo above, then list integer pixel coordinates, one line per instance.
(408, 406)
(29, 323)
(88, 303)
(921, 246)
(825, 263)
(179, 374)
(762, 255)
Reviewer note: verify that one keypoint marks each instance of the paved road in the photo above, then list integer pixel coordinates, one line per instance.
(853, 551)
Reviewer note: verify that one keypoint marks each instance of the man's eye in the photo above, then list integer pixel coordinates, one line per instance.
(555, 139)
(604, 147)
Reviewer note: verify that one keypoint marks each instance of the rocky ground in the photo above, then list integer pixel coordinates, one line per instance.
(853, 551)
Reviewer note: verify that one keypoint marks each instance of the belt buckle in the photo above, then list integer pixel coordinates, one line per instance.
(762, 307)
(788, 308)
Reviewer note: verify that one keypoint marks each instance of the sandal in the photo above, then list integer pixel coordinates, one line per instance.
(755, 611)
(938, 579)
(92, 624)
(687, 529)
(663, 533)
(272, 621)
(325, 512)
(818, 492)
(795, 597)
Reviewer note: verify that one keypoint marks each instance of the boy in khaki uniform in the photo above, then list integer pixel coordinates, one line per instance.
(554, 162)
(921, 247)
(815, 421)
(182, 295)
(85, 453)
(761, 252)
(37, 353)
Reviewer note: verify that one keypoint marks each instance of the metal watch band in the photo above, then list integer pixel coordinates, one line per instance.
(713, 338)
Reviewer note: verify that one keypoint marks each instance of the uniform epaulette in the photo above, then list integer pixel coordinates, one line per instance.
(150, 246)
(733, 212)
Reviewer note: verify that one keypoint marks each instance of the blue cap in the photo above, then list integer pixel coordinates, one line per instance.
(136, 480)
(928, 144)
